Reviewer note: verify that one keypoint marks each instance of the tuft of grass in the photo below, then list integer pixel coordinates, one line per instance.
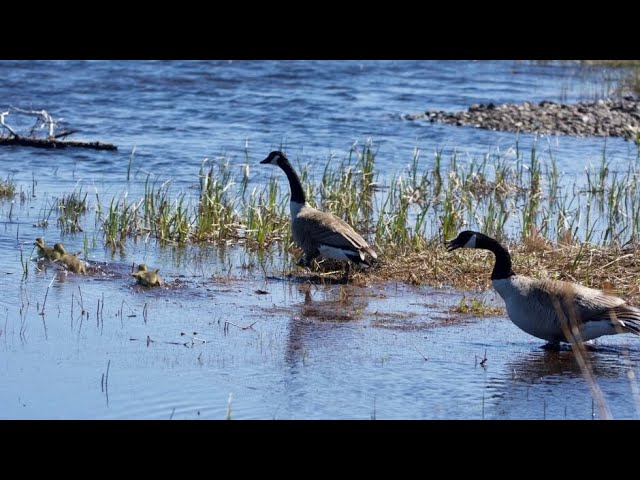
(476, 306)
(7, 188)
(130, 164)
(71, 208)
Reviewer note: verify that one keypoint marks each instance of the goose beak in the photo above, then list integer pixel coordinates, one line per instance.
(452, 245)
(266, 160)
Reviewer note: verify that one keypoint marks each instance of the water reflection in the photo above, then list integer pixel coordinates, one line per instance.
(320, 319)
(552, 385)
(604, 362)
(323, 345)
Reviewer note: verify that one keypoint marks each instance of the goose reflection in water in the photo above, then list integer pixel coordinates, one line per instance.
(552, 385)
(324, 319)
(603, 363)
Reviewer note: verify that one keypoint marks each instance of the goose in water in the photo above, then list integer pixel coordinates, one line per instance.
(69, 260)
(47, 252)
(319, 233)
(148, 278)
(555, 311)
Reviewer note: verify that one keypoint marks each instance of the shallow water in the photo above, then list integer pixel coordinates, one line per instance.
(315, 351)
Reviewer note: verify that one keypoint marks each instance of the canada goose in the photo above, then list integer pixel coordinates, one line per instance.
(44, 251)
(70, 261)
(146, 277)
(553, 310)
(319, 233)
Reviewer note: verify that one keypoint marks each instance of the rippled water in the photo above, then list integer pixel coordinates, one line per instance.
(315, 352)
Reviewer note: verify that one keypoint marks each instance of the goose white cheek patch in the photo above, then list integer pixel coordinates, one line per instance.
(471, 243)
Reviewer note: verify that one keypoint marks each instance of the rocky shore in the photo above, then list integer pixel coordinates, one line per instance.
(610, 117)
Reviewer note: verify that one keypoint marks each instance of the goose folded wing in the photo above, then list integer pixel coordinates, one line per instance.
(593, 306)
(570, 300)
(329, 230)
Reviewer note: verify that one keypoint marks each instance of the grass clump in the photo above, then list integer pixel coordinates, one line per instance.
(7, 188)
(71, 208)
(475, 306)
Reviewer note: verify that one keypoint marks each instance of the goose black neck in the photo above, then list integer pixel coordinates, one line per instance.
(297, 193)
(502, 268)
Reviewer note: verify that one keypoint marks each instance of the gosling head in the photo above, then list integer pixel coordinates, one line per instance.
(58, 247)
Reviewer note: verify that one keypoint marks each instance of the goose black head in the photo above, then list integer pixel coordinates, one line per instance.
(274, 157)
(466, 239)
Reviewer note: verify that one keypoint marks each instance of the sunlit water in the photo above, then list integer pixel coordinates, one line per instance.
(314, 351)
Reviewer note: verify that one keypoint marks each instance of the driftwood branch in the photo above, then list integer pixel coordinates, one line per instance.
(44, 119)
(53, 143)
(65, 133)
(2, 115)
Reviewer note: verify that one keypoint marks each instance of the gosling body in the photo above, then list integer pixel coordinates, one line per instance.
(148, 278)
(70, 261)
(44, 251)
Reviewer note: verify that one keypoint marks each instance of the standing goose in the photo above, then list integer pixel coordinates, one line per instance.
(319, 233)
(553, 310)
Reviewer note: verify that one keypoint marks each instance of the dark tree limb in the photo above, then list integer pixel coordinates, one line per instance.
(53, 143)
(43, 119)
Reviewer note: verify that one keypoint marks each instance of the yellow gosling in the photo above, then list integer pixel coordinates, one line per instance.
(71, 262)
(46, 252)
(146, 277)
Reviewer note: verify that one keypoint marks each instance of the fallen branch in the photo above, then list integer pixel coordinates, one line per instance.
(44, 120)
(2, 115)
(53, 143)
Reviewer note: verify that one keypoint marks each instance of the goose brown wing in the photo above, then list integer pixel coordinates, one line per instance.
(317, 228)
(592, 305)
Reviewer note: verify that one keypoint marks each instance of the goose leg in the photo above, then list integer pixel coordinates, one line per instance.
(347, 271)
(305, 260)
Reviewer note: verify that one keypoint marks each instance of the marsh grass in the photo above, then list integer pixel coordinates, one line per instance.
(630, 72)
(7, 188)
(556, 225)
(476, 306)
(71, 207)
